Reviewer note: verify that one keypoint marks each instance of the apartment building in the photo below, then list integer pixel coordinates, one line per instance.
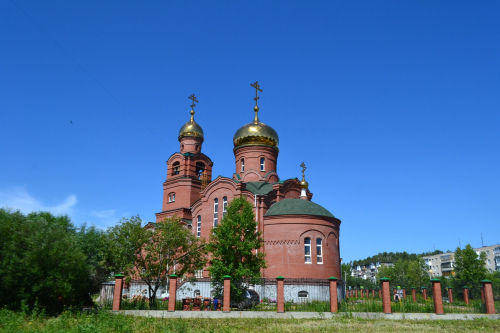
(443, 264)
(368, 271)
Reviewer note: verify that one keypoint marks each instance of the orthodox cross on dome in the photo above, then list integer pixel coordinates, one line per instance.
(193, 98)
(257, 89)
(303, 166)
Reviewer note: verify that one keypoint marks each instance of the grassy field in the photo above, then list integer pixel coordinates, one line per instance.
(108, 322)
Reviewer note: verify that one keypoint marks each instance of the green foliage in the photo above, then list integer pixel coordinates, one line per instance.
(495, 279)
(469, 269)
(102, 321)
(234, 246)
(92, 241)
(154, 252)
(406, 273)
(393, 257)
(40, 262)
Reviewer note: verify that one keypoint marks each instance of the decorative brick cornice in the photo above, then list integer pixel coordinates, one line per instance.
(283, 242)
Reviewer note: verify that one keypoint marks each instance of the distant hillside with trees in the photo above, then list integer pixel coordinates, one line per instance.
(393, 257)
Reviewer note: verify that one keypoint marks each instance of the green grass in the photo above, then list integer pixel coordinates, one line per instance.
(110, 322)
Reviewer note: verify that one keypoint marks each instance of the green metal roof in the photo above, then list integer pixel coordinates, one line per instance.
(297, 207)
(260, 188)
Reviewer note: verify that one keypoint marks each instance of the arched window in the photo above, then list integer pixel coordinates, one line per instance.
(171, 197)
(197, 293)
(319, 251)
(242, 165)
(176, 167)
(200, 167)
(198, 227)
(307, 250)
(196, 147)
(216, 212)
(224, 206)
(262, 164)
(303, 294)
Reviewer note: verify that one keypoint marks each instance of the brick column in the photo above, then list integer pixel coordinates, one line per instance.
(334, 306)
(117, 296)
(466, 294)
(367, 293)
(226, 306)
(450, 295)
(488, 297)
(438, 297)
(404, 293)
(413, 294)
(373, 293)
(356, 293)
(380, 293)
(172, 290)
(281, 293)
(386, 295)
(424, 293)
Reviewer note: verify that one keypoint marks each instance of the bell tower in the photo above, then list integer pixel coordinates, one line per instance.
(188, 171)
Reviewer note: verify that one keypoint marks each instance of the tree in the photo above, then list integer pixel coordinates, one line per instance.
(235, 247)
(92, 241)
(41, 264)
(154, 252)
(469, 269)
(406, 273)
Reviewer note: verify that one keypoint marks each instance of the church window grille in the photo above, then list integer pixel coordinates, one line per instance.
(216, 212)
(224, 206)
(262, 164)
(242, 165)
(176, 168)
(197, 293)
(319, 251)
(307, 250)
(303, 294)
(198, 227)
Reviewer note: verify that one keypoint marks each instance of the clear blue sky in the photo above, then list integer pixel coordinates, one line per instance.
(393, 106)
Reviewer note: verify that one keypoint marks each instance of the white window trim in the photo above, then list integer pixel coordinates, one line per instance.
(318, 256)
(309, 255)
(198, 226)
(224, 206)
(216, 212)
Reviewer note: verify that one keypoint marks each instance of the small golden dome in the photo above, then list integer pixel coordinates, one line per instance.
(304, 184)
(256, 133)
(191, 128)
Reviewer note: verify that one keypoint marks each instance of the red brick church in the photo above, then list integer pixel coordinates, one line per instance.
(301, 238)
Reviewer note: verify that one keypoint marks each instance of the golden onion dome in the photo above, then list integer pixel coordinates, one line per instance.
(255, 134)
(191, 128)
(303, 183)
